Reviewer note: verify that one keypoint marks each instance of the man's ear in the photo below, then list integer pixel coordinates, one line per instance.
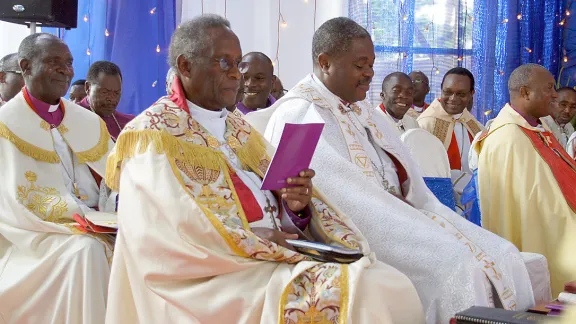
(88, 87)
(2, 77)
(382, 96)
(324, 62)
(524, 92)
(25, 66)
(183, 66)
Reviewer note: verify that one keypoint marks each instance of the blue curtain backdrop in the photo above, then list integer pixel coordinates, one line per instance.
(489, 37)
(134, 34)
(568, 70)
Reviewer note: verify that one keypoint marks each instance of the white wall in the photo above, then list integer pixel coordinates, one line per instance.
(256, 24)
(10, 37)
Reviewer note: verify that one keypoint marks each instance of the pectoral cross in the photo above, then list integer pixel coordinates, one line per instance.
(77, 193)
(269, 209)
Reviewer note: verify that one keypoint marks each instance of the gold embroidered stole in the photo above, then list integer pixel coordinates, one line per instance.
(36, 168)
(441, 124)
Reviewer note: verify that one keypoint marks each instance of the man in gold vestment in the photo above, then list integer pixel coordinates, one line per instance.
(526, 179)
(208, 245)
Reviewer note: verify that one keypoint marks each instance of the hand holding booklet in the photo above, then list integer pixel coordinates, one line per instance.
(294, 154)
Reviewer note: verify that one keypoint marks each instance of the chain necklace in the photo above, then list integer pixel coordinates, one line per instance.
(115, 120)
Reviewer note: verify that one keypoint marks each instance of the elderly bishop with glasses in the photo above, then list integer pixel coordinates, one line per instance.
(200, 242)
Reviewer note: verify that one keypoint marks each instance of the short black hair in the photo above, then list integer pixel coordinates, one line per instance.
(566, 89)
(105, 67)
(392, 75)
(460, 71)
(80, 82)
(335, 36)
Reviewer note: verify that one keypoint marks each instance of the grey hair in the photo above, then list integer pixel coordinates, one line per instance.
(335, 36)
(9, 63)
(192, 39)
(521, 76)
(29, 49)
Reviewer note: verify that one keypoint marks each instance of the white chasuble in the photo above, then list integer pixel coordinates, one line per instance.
(50, 272)
(453, 263)
(190, 255)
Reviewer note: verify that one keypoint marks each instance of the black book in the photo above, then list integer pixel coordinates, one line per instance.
(485, 315)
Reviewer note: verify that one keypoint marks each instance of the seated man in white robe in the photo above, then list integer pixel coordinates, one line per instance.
(207, 245)
(396, 98)
(51, 166)
(368, 174)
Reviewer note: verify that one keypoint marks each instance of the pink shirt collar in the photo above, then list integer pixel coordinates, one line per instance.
(52, 114)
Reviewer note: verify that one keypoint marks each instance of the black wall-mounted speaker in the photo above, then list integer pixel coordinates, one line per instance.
(47, 13)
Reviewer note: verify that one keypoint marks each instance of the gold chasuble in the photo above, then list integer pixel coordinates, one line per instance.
(185, 251)
(50, 272)
(527, 189)
(441, 124)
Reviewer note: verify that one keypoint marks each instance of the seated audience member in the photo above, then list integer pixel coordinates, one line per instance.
(104, 89)
(526, 179)
(78, 91)
(421, 90)
(53, 159)
(396, 98)
(448, 119)
(278, 90)
(258, 79)
(559, 121)
(365, 170)
(207, 245)
(11, 81)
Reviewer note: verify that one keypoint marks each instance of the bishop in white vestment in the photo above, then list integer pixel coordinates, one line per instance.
(192, 172)
(52, 162)
(368, 174)
(396, 98)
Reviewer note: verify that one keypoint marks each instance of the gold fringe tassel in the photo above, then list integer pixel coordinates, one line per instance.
(253, 152)
(97, 152)
(131, 143)
(28, 149)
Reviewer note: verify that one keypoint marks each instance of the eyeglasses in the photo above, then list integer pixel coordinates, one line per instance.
(419, 81)
(12, 71)
(227, 63)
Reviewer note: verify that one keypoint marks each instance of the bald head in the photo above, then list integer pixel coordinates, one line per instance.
(397, 94)
(532, 91)
(10, 77)
(258, 80)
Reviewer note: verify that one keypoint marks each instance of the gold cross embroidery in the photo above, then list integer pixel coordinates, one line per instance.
(313, 316)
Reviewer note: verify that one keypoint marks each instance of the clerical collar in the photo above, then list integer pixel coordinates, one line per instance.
(321, 84)
(457, 116)
(197, 111)
(387, 113)
(42, 106)
(245, 110)
(534, 122)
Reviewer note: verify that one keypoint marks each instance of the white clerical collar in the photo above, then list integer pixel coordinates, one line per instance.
(321, 85)
(199, 112)
(53, 108)
(418, 109)
(396, 120)
(457, 116)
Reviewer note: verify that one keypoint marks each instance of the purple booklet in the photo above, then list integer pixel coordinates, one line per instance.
(294, 154)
